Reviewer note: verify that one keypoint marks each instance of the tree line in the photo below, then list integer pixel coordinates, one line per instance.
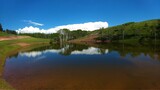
(7, 30)
(61, 35)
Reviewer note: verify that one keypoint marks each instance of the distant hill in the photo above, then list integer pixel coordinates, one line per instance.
(140, 31)
(137, 28)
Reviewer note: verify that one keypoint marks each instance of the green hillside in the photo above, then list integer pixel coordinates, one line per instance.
(141, 31)
(5, 34)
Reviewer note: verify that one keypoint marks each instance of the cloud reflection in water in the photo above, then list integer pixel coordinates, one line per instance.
(89, 51)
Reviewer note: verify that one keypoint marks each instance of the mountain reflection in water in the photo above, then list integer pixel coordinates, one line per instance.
(72, 66)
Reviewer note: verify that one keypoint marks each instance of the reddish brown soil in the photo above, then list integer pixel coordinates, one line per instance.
(23, 44)
(87, 39)
(3, 38)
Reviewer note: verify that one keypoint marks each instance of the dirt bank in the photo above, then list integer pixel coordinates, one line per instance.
(3, 38)
(87, 39)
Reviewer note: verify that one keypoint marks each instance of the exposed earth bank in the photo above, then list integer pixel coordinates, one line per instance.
(2, 38)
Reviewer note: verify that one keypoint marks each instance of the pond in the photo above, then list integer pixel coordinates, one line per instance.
(74, 66)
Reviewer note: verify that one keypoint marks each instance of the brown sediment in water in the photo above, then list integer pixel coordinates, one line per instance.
(86, 78)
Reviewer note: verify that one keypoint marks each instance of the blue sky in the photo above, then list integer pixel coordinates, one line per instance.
(15, 14)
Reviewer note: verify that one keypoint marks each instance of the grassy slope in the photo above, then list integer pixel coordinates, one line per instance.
(10, 47)
(143, 28)
(5, 34)
(138, 27)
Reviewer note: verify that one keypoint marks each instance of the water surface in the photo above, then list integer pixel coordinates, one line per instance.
(72, 66)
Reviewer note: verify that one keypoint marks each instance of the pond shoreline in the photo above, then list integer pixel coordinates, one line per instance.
(12, 46)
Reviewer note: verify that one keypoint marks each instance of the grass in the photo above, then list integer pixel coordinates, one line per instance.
(4, 85)
(133, 41)
(10, 47)
(5, 34)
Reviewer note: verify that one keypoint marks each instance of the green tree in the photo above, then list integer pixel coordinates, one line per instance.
(101, 31)
(78, 34)
(10, 31)
(1, 29)
(158, 29)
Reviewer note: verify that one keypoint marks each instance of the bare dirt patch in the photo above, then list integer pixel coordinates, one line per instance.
(87, 39)
(12, 37)
(23, 44)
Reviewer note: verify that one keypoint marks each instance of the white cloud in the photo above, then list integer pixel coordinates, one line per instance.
(89, 51)
(90, 26)
(31, 54)
(34, 54)
(31, 29)
(34, 23)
